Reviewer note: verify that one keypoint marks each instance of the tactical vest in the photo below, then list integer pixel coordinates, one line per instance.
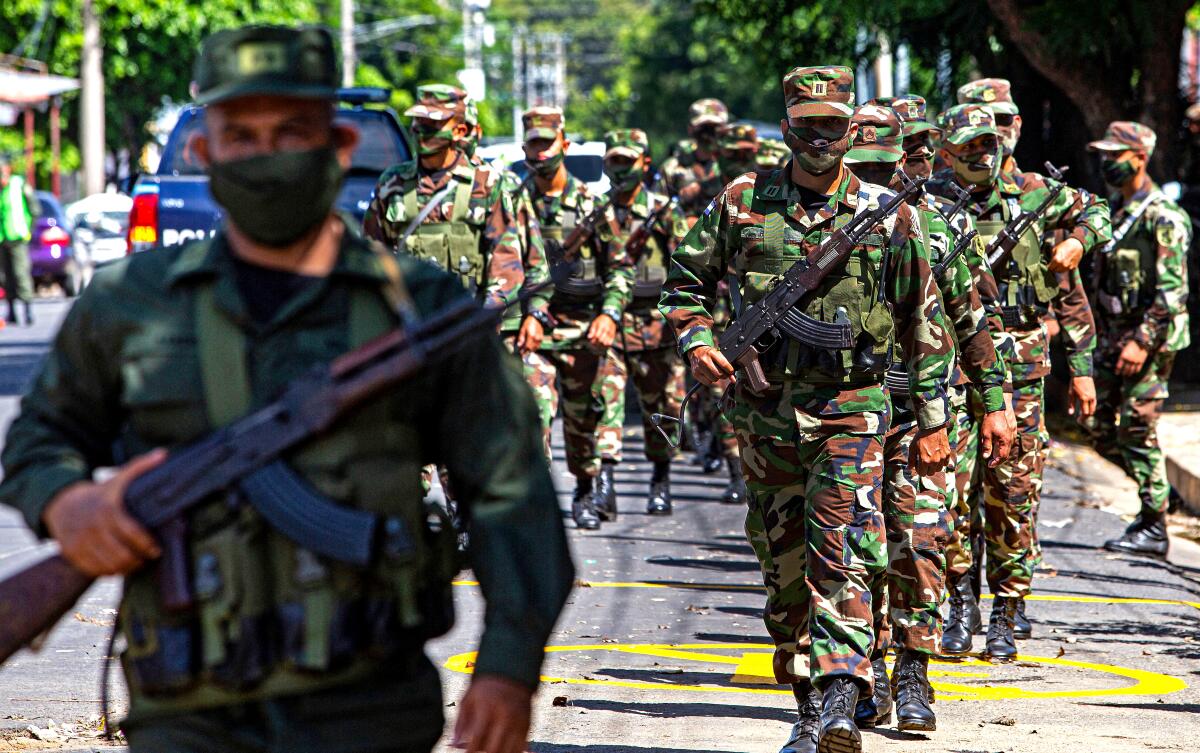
(651, 270)
(584, 283)
(269, 616)
(1026, 285)
(453, 245)
(849, 293)
(1128, 278)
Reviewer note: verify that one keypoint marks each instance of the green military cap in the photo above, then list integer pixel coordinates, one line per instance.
(1122, 135)
(626, 142)
(911, 110)
(471, 112)
(278, 60)
(708, 112)
(738, 136)
(819, 91)
(439, 102)
(996, 93)
(542, 123)
(965, 122)
(879, 135)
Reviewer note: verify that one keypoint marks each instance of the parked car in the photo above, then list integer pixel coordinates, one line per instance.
(101, 222)
(174, 205)
(52, 253)
(584, 160)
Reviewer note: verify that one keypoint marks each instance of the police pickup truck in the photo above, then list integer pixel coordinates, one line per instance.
(174, 206)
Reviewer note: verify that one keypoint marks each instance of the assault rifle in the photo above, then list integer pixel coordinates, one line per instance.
(760, 324)
(962, 240)
(638, 238)
(1001, 247)
(246, 455)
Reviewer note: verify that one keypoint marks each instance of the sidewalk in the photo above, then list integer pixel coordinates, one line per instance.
(1179, 435)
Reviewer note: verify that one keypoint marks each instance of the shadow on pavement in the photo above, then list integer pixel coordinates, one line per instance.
(684, 710)
(602, 748)
(729, 566)
(1186, 708)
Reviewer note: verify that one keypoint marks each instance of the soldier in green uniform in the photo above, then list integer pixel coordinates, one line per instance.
(644, 349)
(812, 444)
(284, 650)
(18, 208)
(1140, 299)
(576, 355)
(907, 597)
(996, 95)
(920, 137)
(1026, 288)
(691, 172)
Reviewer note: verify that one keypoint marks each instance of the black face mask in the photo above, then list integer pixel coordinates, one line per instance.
(879, 173)
(706, 139)
(1117, 173)
(276, 198)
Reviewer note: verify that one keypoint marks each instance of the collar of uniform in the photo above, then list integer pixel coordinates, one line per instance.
(845, 194)
(1117, 201)
(461, 168)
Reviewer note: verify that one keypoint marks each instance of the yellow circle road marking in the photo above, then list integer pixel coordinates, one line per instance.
(753, 667)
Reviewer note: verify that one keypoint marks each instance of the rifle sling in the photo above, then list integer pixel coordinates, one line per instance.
(432, 204)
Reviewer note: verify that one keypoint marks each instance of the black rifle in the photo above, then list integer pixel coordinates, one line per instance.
(962, 240)
(636, 243)
(1001, 247)
(760, 325)
(247, 455)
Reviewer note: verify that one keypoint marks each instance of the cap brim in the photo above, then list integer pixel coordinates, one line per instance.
(429, 113)
(874, 154)
(1105, 145)
(964, 135)
(623, 151)
(913, 127)
(820, 110)
(265, 88)
(739, 145)
(1003, 108)
(700, 120)
(540, 133)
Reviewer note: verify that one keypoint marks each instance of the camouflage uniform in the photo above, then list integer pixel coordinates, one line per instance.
(920, 137)
(812, 445)
(996, 95)
(1141, 287)
(1009, 489)
(692, 163)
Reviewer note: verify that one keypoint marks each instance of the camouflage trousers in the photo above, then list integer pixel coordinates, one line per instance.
(964, 498)
(1010, 495)
(658, 377)
(815, 475)
(1124, 428)
(907, 596)
(576, 376)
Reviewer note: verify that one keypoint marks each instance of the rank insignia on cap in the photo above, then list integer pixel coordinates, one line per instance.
(913, 110)
(988, 95)
(868, 134)
(975, 117)
(820, 89)
(254, 58)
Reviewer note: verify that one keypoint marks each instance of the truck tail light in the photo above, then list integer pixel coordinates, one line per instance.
(55, 235)
(143, 223)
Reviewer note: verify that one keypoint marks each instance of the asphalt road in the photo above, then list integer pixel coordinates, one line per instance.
(662, 648)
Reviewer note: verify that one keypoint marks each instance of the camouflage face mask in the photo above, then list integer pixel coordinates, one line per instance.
(817, 150)
(1117, 173)
(432, 140)
(978, 168)
(546, 166)
(623, 178)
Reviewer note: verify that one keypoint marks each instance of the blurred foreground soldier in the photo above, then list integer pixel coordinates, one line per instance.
(285, 650)
(1140, 298)
(1026, 288)
(812, 444)
(644, 349)
(18, 207)
(908, 595)
(996, 95)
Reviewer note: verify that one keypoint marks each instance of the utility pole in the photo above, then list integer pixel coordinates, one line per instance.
(883, 68)
(349, 61)
(474, 22)
(91, 103)
(519, 93)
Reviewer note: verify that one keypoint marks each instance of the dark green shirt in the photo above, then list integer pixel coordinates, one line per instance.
(124, 376)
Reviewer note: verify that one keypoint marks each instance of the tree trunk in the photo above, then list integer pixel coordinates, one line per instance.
(1159, 87)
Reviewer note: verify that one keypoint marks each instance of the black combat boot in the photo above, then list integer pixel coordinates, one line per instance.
(956, 637)
(1147, 535)
(1022, 629)
(736, 492)
(12, 311)
(838, 733)
(1001, 645)
(804, 732)
(28, 313)
(876, 711)
(605, 498)
(583, 506)
(703, 438)
(659, 502)
(914, 695)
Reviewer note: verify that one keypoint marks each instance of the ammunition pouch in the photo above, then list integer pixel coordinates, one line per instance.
(580, 281)
(454, 245)
(1026, 285)
(647, 288)
(1126, 278)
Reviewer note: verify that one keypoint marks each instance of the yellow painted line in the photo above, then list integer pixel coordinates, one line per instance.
(754, 668)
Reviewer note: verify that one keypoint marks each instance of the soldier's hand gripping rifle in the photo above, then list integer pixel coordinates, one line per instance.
(962, 240)
(999, 251)
(759, 325)
(246, 455)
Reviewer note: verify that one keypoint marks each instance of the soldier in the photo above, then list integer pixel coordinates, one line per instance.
(18, 208)
(691, 171)
(576, 357)
(1141, 288)
(996, 95)
(284, 650)
(920, 137)
(812, 444)
(1026, 288)
(644, 349)
(907, 597)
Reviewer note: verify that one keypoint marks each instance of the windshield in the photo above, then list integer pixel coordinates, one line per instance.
(104, 224)
(379, 146)
(588, 168)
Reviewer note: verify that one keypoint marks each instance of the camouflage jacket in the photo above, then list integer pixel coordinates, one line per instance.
(685, 167)
(572, 316)
(728, 239)
(643, 326)
(491, 213)
(1156, 314)
(1077, 217)
(533, 247)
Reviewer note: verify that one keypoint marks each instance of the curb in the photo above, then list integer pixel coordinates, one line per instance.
(1186, 482)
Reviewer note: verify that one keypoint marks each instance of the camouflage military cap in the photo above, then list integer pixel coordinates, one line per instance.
(738, 136)
(542, 123)
(708, 112)
(471, 112)
(819, 91)
(911, 110)
(274, 60)
(439, 102)
(879, 135)
(965, 122)
(996, 93)
(1125, 134)
(626, 142)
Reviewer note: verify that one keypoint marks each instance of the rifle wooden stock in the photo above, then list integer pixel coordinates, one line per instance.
(36, 598)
